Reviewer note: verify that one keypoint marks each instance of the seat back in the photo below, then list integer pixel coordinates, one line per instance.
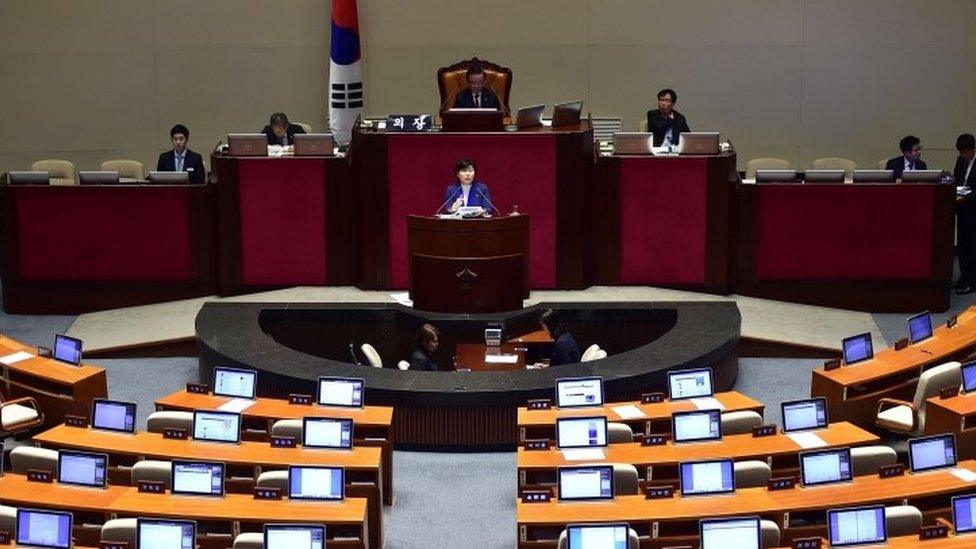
(8, 520)
(131, 169)
(834, 163)
(152, 470)
(751, 473)
(249, 540)
(273, 479)
(62, 172)
(633, 542)
(452, 79)
(619, 432)
(120, 530)
(23, 458)
(902, 520)
(170, 419)
(403, 365)
(930, 383)
(589, 353)
(741, 422)
(766, 164)
(371, 355)
(865, 460)
(770, 534)
(305, 126)
(882, 164)
(287, 428)
(600, 354)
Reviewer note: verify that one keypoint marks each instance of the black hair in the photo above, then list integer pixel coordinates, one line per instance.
(553, 321)
(464, 164)
(965, 142)
(179, 128)
(279, 118)
(668, 91)
(908, 142)
(427, 333)
(473, 70)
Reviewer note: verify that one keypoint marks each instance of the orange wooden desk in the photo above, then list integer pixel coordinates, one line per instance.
(660, 463)
(59, 388)
(852, 392)
(373, 425)
(906, 542)
(542, 423)
(472, 356)
(954, 415)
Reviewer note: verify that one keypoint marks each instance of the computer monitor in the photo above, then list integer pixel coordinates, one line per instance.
(247, 144)
(113, 415)
(776, 176)
(581, 432)
(587, 482)
(930, 453)
(969, 377)
(314, 144)
(82, 468)
(964, 514)
(165, 534)
(698, 143)
(858, 348)
(169, 178)
(823, 176)
(690, 383)
(529, 117)
(856, 526)
(921, 176)
(98, 178)
(874, 176)
(215, 426)
(730, 533)
(573, 392)
(919, 327)
(825, 466)
(327, 432)
(626, 143)
(801, 415)
(696, 426)
(234, 382)
(28, 178)
(316, 482)
(564, 114)
(198, 478)
(346, 392)
(37, 528)
(67, 349)
(707, 477)
(597, 536)
(294, 536)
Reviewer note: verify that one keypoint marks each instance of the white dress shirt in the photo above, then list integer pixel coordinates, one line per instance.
(465, 190)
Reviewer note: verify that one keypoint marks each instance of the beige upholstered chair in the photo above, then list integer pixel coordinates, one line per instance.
(62, 172)
(632, 540)
(766, 164)
(152, 470)
(770, 534)
(882, 163)
(600, 354)
(19, 415)
(23, 458)
(865, 460)
(120, 530)
(642, 126)
(909, 417)
(371, 355)
(619, 432)
(902, 520)
(832, 163)
(738, 423)
(129, 169)
(8, 520)
(306, 127)
(169, 419)
(249, 540)
(589, 353)
(273, 479)
(751, 473)
(403, 365)
(287, 428)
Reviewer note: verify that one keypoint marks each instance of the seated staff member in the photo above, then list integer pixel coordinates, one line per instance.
(910, 159)
(281, 132)
(477, 95)
(427, 340)
(565, 350)
(965, 176)
(182, 159)
(465, 191)
(666, 123)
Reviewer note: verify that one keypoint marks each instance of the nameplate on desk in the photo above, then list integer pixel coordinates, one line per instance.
(173, 433)
(539, 404)
(934, 531)
(654, 440)
(536, 496)
(43, 352)
(781, 483)
(901, 344)
(890, 471)
(113, 545)
(763, 431)
(950, 322)
(537, 444)
(283, 442)
(832, 364)
(807, 543)
(75, 421)
(37, 475)
(948, 392)
(408, 122)
(4, 537)
(302, 400)
(151, 487)
(197, 388)
(659, 492)
(265, 492)
(652, 398)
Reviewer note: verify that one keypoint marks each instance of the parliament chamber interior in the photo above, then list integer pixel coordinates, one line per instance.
(334, 273)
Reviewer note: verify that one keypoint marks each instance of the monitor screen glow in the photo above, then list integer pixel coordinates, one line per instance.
(36, 528)
(113, 415)
(696, 426)
(856, 526)
(730, 533)
(969, 377)
(825, 467)
(234, 382)
(858, 349)
(579, 391)
(82, 468)
(585, 483)
(581, 432)
(340, 391)
(597, 536)
(707, 477)
(67, 349)
(216, 426)
(928, 453)
(165, 534)
(327, 433)
(318, 483)
(800, 415)
(919, 327)
(198, 478)
(964, 514)
(690, 383)
(294, 536)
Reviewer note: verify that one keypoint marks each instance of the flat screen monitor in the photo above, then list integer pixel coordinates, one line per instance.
(169, 178)
(921, 176)
(294, 536)
(964, 514)
(37, 528)
(198, 478)
(316, 482)
(856, 526)
(696, 426)
(776, 176)
(823, 176)
(234, 382)
(730, 533)
(707, 477)
(597, 536)
(801, 415)
(690, 383)
(858, 349)
(247, 144)
(698, 143)
(98, 178)
(346, 392)
(581, 432)
(564, 114)
(919, 327)
(573, 392)
(585, 483)
(82, 468)
(825, 466)
(113, 415)
(67, 349)
(28, 178)
(529, 117)
(165, 534)
(930, 453)
(314, 144)
(874, 176)
(327, 432)
(217, 426)
(969, 377)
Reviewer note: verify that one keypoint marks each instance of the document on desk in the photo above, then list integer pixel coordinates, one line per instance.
(807, 440)
(501, 359)
(583, 454)
(403, 298)
(707, 403)
(964, 475)
(13, 358)
(236, 405)
(628, 412)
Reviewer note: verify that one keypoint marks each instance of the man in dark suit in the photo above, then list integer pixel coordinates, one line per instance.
(182, 159)
(427, 340)
(477, 95)
(564, 347)
(965, 176)
(666, 123)
(281, 132)
(910, 159)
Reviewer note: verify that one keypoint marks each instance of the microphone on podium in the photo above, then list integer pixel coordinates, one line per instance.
(452, 197)
(488, 200)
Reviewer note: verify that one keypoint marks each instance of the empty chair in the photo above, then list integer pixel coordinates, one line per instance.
(62, 172)
(371, 355)
(600, 354)
(8, 520)
(833, 163)
(19, 415)
(751, 473)
(739, 423)
(23, 458)
(589, 353)
(273, 479)
(306, 127)
(129, 169)
(403, 365)
(770, 534)
(169, 419)
(766, 164)
(632, 540)
(287, 428)
(902, 520)
(619, 432)
(909, 417)
(866, 460)
(152, 470)
(120, 530)
(249, 540)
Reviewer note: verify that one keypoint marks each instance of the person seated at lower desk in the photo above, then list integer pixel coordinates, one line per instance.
(427, 340)
(465, 191)
(564, 349)
(182, 159)
(281, 132)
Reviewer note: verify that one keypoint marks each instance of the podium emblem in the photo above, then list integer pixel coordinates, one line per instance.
(466, 279)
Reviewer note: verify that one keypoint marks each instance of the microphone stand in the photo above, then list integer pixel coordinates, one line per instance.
(488, 200)
(453, 197)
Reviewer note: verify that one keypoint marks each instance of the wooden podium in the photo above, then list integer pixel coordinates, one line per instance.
(468, 265)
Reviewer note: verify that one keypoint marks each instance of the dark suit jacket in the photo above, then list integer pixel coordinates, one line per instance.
(475, 198)
(658, 125)
(465, 100)
(420, 360)
(565, 350)
(291, 131)
(192, 163)
(897, 165)
(959, 173)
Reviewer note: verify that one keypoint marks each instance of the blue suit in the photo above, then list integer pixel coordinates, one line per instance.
(477, 196)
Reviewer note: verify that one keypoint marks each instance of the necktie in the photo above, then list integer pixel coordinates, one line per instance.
(477, 100)
(179, 163)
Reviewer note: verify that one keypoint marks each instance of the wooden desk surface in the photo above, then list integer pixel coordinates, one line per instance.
(153, 445)
(732, 400)
(734, 446)
(962, 404)
(472, 356)
(46, 368)
(538, 336)
(906, 542)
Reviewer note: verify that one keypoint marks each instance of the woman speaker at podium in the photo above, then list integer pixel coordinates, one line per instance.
(465, 192)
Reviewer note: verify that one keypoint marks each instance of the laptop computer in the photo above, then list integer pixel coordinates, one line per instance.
(858, 348)
(529, 117)
(919, 327)
(82, 468)
(698, 478)
(964, 514)
(921, 176)
(804, 415)
(823, 176)
(698, 143)
(931, 453)
(67, 349)
(575, 392)
(565, 114)
(696, 426)
(247, 144)
(694, 383)
(969, 377)
(294, 536)
(98, 178)
(776, 176)
(581, 432)
(169, 178)
(825, 467)
(28, 178)
(856, 526)
(732, 532)
(585, 483)
(625, 143)
(113, 415)
(197, 478)
(316, 483)
(874, 176)
(234, 382)
(165, 533)
(327, 432)
(597, 536)
(345, 392)
(38, 528)
(217, 426)
(314, 144)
